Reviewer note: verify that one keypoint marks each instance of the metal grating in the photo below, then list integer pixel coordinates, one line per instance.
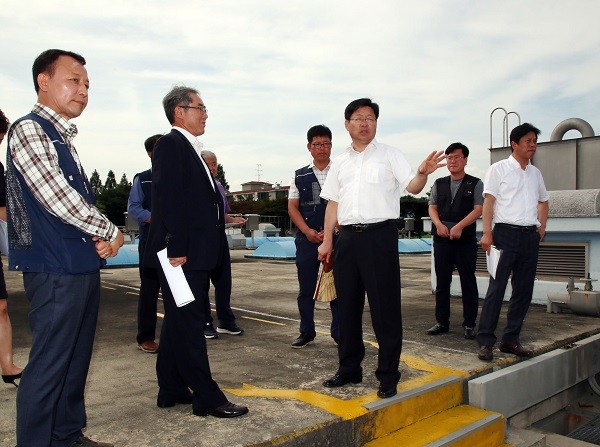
(555, 259)
(588, 432)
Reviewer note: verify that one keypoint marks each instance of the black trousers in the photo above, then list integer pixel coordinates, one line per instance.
(50, 399)
(182, 360)
(147, 301)
(368, 262)
(463, 255)
(519, 257)
(307, 264)
(221, 281)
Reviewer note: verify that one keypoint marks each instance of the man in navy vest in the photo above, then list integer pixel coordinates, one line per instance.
(59, 240)
(307, 211)
(455, 204)
(139, 206)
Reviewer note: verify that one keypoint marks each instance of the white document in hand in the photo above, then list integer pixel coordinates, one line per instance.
(492, 259)
(177, 283)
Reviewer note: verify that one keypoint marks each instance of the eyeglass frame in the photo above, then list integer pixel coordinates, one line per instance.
(367, 120)
(202, 108)
(454, 157)
(321, 145)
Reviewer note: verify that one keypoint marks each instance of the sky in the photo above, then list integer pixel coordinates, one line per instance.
(269, 70)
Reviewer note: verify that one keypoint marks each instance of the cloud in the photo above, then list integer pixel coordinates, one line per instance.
(270, 70)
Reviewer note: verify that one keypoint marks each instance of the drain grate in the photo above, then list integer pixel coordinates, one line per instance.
(588, 432)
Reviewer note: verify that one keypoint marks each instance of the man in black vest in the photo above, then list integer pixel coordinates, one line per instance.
(139, 206)
(455, 204)
(307, 211)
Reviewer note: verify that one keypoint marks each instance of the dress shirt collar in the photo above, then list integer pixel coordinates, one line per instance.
(515, 164)
(64, 127)
(312, 166)
(372, 144)
(191, 138)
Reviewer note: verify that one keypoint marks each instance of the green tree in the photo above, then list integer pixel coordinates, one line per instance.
(96, 183)
(221, 177)
(111, 182)
(124, 182)
(112, 199)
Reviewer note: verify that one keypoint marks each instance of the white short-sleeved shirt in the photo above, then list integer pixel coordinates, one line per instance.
(517, 192)
(367, 185)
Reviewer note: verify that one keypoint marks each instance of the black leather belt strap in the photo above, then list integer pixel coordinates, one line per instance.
(528, 229)
(357, 228)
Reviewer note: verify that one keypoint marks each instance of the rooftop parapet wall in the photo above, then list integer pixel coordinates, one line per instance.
(575, 203)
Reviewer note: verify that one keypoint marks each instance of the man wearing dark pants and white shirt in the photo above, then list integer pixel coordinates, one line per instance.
(516, 200)
(363, 190)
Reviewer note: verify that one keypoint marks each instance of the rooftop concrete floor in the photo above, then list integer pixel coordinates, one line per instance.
(281, 386)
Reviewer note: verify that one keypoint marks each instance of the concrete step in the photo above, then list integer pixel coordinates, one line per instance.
(459, 426)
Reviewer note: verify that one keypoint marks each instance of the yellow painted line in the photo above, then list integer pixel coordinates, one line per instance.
(346, 409)
(131, 293)
(264, 321)
(159, 315)
(349, 409)
(109, 288)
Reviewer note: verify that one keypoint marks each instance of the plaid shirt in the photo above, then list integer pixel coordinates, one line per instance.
(36, 159)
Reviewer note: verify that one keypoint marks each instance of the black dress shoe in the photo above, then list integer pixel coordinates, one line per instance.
(516, 349)
(302, 341)
(486, 353)
(227, 410)
(339, 380)
(438, 329)
(386, 391)
(469, 333)
(166, 403)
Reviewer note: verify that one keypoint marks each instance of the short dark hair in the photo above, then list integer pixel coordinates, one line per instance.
(3, 123)
(46, 62)
(178, 96)
(357, 104)
(520, 131)
(319, 130)
(454, 146)
(151, 142)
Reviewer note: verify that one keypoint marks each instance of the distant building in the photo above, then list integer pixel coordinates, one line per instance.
(257, 190)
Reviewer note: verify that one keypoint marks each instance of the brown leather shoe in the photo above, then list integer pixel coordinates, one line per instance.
(516, 349)
(150, 346)
(486, 353)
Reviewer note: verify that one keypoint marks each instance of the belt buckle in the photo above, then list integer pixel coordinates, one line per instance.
(359, 228)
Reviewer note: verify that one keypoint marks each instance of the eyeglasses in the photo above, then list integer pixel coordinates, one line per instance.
(321, 145)
(362, 119)
(201, 108)
(454, 157)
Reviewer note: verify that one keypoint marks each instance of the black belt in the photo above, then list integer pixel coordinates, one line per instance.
(366, 227)
(527, 229)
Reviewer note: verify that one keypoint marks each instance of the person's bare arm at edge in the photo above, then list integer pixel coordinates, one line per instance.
(488, 213)
(543, 209)
(326, 248)
(429, 165)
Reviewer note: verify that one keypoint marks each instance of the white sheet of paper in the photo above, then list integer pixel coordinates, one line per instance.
(177, 283)
(492, 260)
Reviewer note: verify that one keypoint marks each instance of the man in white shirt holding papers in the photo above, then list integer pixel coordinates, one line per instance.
(516, 200)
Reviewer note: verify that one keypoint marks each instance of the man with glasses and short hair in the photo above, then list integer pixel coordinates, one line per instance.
(187, 220)
(455, 204)
(307, 211)
(363, 190)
